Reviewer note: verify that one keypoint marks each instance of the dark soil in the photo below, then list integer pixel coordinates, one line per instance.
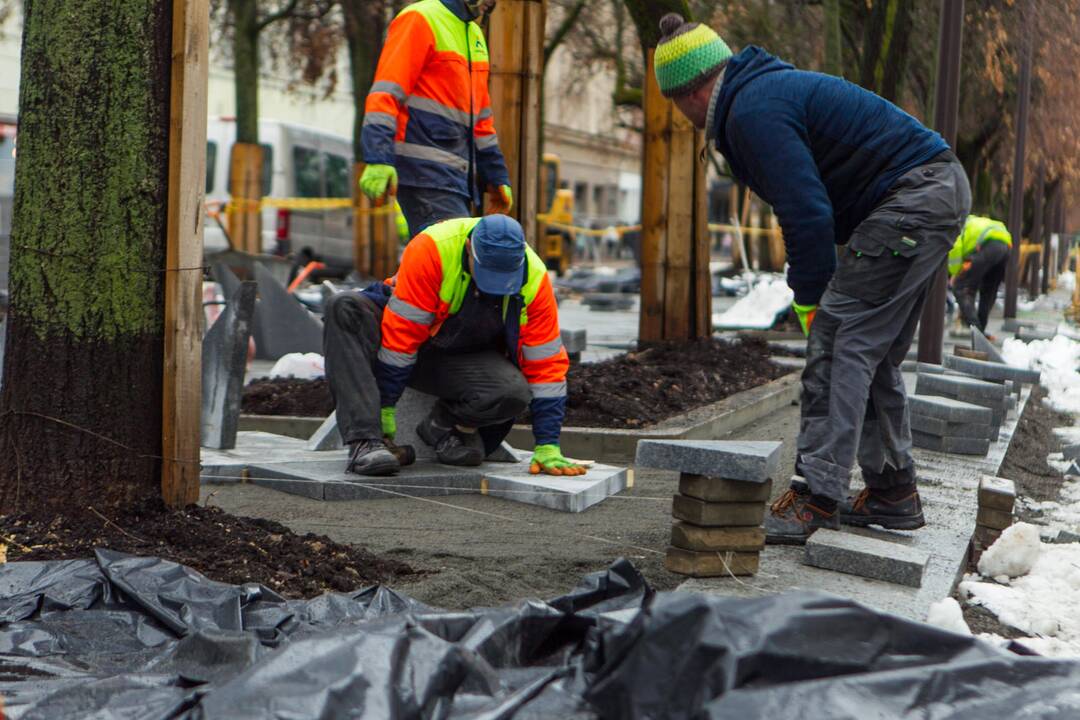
(1025, 462)
(642, 388)
(223, 547)
(288, 396)
(981, 620)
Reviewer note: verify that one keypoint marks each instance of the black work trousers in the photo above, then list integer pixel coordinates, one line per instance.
(475, 389)
(982, 277)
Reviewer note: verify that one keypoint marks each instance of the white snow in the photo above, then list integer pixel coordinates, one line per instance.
(1041, 602)
(1013, 554)
(947, 615)
(758, 310)
(303, 366)
(1062, 514)
(1058, 360)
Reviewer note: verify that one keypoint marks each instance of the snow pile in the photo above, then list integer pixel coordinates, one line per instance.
(1042, 603)
(947, 615)
(1058, 360)
(303, 366)
(1013, 554)
(1062, 514)
(759, 309)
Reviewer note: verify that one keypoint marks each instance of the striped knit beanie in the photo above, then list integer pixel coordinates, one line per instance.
(687, 56)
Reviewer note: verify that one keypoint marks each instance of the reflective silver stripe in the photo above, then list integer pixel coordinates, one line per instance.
(485, 114)
(380, 118)
(390, 88)
(542, 352)
(487, 141)
(437, 108)
(410, 312)
(424, 152)
(548, 390)
(396, 359)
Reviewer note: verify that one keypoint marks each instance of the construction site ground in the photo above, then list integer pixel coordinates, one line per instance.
(482, 551)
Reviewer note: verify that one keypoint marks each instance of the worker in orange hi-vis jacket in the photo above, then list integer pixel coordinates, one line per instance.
(429, 131)
(471, 318)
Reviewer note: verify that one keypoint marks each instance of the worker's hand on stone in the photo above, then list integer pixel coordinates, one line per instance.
(499, 200)
(378, 180)
(389, 422)
(806, 314)
(548, 459)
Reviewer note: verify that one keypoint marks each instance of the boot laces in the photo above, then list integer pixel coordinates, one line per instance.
(860, 500)
(784, 502)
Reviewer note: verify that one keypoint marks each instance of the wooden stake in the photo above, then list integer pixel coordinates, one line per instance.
(361, 225)
(654, 184)
(245, 186)
(182, 381)
(516, 43)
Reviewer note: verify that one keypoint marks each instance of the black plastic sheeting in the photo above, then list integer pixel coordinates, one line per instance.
(143, 638)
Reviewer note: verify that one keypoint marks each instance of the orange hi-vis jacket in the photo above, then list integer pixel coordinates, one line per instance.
(428, 112)
(430, 286)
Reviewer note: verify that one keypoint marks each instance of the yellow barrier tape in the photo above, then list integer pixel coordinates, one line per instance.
(311, 204)
(620, 229)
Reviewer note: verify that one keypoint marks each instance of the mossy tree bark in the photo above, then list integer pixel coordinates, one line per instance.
(80, 409)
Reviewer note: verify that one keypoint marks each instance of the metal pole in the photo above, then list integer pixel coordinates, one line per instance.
(1016, 204)
(946, 105)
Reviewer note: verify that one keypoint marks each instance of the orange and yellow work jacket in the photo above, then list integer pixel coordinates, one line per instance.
(431, 285)
(428, 112)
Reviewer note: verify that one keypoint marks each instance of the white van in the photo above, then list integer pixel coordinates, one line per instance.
(297, 162)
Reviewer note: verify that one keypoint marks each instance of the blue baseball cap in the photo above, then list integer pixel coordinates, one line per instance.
(498, 251)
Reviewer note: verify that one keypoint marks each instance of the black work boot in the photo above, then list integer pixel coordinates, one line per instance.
(794, 517)
(371, 457)
(896, 508)
(452, 446)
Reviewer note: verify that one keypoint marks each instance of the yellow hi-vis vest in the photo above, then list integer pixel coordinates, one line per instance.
(977, 230)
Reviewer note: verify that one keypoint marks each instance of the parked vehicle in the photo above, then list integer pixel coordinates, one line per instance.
(298, 162)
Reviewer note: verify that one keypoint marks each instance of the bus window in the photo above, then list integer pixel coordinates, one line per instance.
(337, 176)
(267, 169)
(307, 172)
(211, 165)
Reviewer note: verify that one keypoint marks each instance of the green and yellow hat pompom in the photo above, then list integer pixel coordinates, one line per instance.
(687, 56)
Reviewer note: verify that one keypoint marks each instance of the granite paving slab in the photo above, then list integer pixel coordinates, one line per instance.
(732, 460)
(984, 370)
(950, 410)
(981, 343)
(943, 428)
(946, 444)
(867, 557)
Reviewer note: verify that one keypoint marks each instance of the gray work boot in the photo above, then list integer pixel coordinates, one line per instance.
(794, 517)
(452, 446)
(893, 508)
(372, 458)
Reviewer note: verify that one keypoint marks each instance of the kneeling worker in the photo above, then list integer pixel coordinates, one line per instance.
(469, 317)
(977, 264)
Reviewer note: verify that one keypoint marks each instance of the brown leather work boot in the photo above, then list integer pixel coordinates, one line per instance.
(794, 517)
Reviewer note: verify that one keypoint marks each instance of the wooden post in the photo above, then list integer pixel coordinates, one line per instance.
(245, 186)
(675, 280)
(182, 381)
(361, 225)
(516, 44)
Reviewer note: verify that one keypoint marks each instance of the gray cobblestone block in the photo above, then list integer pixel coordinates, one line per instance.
(996, 372)
(994, 519)
(953, 445)
(867, 557)
(732, 460)
(930, 368)
(1027, 334)
(712, 489)
(711, 564)
(997, 493)
(1066, 536)
(949, 410)
(942, 428)
(1012, 325)
(962, 388)
(981, 343)
(705, 514)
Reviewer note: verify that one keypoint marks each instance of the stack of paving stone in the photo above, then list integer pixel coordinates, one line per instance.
(952, 426)
(997, 497)
(965, 389)
(992, 371)
(723, 490)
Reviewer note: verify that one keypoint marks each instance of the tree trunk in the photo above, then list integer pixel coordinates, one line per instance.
(834, 50)
(365, 24)
(246, 69)
(885, 47)
(80, 410)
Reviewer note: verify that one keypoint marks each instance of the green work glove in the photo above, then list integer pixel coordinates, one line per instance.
(548, 459)
(805, 314)
(377, 180)
(389, 422)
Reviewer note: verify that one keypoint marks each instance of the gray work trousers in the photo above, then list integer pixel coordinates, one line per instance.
(853, 397)
(475, 389)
